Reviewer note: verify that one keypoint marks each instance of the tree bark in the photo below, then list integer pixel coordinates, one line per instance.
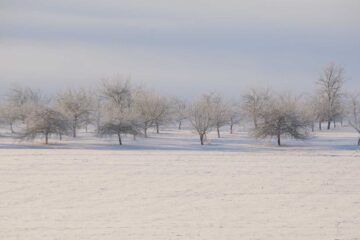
(74, 127)
(12, 128)
(145, 132)
(320, 125)
(279, 138)
(179, 125)
(231, 128)
(157, 128)
(218, 131)
(329, 124)
(119, 137)
(46, 138)
(202, 139)
(359, 142)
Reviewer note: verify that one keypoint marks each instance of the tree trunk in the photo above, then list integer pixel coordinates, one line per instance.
(145, 132)
(202, 139)
(231, 128)
(60, 136)
(359, 142)
(86, 128)
(157, 128)
(334, 124)
(179, 125)
(74, 127)
(320, 125)
(218, 131)
(12, 128)
(329, 124)
(119, 137)
(46, 138)
(312, 127)
(279, 138)
(255, 123)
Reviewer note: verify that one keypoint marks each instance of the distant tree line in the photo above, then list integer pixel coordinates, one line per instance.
(119, 108)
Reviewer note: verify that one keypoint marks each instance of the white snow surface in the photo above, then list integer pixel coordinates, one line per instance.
(169, 187)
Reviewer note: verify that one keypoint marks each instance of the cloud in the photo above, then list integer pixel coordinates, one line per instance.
(201, 13)
(180, 47)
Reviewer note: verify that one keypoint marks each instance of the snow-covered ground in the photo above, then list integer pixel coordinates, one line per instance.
(169, 187)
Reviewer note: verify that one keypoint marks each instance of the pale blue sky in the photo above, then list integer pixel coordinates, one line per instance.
(178, 47)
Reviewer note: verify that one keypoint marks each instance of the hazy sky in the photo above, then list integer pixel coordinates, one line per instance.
(182, 47)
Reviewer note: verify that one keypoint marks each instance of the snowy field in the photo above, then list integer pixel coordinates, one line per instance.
(169, 187)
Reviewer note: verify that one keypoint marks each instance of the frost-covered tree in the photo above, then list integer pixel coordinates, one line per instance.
(200, 116)
(313, 111)
(179, 109)
(99, 102)
(254, 103)
(9, 115)
(234, 115)
(119, 122)
(153, 110)
(88, 120)
(320, 109)
(162, 113)
(45, 121)
(23, 96)
(18, 103)
(220, 111)
(340, 112)
(76, 105)
(330, 84)
(119, 115)
(354, 113)
(283, 118)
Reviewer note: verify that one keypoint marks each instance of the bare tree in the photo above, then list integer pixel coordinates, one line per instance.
(45, 121)
(220, 111)
(9, 115)
(319, 105)
(120, 117)
(234, 115)
(162, 113)
(313, 110)
(283, 118)
(76, 105)
(153, 110)
(99, 108)
(19, 102)
(254, 103)
(354, 113)
(339, 112)
(179, 108)
(200, 116)
(88, 120)
(142, 105)
(119, 122)
(22, 97)
(330, 90)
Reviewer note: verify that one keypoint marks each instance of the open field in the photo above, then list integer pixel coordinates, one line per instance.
(169, 187)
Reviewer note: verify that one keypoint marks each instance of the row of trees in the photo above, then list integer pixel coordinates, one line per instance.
(118, 108)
